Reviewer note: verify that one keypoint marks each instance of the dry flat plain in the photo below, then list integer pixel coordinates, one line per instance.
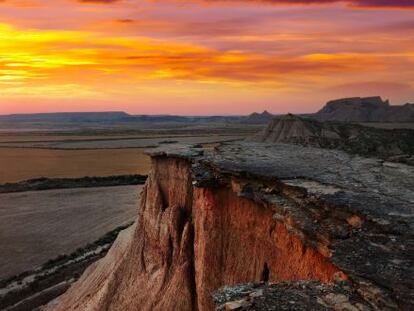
(39, 225)
(19, 164)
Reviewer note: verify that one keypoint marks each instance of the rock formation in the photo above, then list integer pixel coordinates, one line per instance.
(327, 224)
(368, 109)
(258, 118)
(396, 144)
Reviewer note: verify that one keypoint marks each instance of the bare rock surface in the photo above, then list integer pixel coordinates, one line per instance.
(293, 296)
(340, 225)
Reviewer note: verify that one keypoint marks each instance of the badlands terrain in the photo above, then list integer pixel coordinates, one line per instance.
(335, 228)
(321, 205)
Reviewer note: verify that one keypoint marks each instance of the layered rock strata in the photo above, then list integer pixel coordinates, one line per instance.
(260, 213)
(393, 145)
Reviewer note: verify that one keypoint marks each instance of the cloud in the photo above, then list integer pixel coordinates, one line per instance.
(98, 1)
(353, 3)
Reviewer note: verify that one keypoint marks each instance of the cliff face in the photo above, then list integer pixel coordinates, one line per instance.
(205, 222)
(190, 241)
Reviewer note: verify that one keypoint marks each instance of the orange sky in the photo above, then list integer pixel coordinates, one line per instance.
(202, 56)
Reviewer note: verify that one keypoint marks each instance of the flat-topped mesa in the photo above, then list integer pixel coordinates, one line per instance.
(365, 109)
(252, 212)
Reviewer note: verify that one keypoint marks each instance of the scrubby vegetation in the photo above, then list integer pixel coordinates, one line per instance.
(63, 183)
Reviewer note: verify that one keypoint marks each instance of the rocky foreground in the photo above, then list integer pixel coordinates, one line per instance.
(303, 228)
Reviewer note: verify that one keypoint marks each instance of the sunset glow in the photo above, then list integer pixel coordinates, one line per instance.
(202, 57)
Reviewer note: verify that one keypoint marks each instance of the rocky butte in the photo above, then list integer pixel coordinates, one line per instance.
(365, 109)
(256, 226)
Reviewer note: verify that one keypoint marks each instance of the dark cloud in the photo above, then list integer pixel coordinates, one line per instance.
(356, 3)
(125, 21)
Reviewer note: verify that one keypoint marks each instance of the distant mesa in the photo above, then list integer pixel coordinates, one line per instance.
(365, 109)
(259, 118)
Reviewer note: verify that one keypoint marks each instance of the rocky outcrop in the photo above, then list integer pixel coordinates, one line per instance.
(293, 296)
(258, 118)
(394, 145)
(259, 213)
(368, 109)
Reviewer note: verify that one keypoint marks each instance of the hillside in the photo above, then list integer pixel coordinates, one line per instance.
(368, 109)
(395, 144)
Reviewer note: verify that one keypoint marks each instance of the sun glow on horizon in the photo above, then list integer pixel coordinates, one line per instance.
(159, 58)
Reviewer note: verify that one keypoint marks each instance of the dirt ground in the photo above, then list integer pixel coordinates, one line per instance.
(18, 164)
(39, 225)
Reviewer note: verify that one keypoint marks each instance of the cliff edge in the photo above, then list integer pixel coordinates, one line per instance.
(303, 226)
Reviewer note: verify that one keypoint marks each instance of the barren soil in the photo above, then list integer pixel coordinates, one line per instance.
(40, 225)
(22, 164)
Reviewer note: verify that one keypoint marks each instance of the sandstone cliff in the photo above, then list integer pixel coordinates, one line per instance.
(250, 213)
(367, 109)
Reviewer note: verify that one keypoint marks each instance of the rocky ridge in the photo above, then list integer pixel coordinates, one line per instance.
(395, 144)
(332, 231)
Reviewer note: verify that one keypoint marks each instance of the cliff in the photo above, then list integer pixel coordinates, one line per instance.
(336, 229)
(395, 144)
(365, 109)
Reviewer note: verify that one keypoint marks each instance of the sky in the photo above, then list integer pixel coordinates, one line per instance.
(202, 57)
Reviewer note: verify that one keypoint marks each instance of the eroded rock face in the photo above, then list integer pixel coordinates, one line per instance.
(237, 240)
(206, 221)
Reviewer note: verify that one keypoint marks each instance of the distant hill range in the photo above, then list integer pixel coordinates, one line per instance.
(356, 109)
(110, 117)
(67, 117)
(368, 109)
(395, 144)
